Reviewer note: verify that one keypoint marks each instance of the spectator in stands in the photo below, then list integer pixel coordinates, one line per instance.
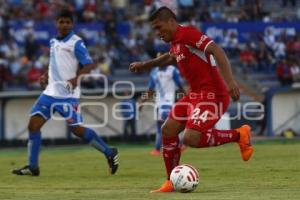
(186, 10)
(4, 72)
(295, 71)
(128, 108)
(149, 45)
(33, 78)
(279, 48)
(31, 47)
(114, 55)
(284, 73)
(229, 2)
(216, 13)
(285, 3)
(264, 58)
(104, 64)
(205, 15)
(247, 59)
(293, 45)
(120, 7)
(231, 43)
(186, 3)
(269, 38)
(110, 25)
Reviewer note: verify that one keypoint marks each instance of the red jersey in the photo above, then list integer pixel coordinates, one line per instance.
(196, 66)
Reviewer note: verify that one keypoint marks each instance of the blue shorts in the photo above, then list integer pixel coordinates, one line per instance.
(67, 108)
(163, 112)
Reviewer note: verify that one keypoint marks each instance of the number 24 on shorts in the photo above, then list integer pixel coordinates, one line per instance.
(198, 117)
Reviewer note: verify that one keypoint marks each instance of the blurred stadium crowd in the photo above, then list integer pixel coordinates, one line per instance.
(22, 64)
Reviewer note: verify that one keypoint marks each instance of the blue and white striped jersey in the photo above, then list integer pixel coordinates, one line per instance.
(164, 82)
(65, 56)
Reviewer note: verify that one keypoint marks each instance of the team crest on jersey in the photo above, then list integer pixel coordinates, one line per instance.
(180, 57)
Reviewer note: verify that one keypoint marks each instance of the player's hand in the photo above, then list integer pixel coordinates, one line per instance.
(43, 81)
(234, 90)
(71, 85)
(137, 67)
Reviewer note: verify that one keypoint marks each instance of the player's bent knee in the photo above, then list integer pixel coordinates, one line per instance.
(35, 123)
(34, 126)
(166, 130)
(171, 128)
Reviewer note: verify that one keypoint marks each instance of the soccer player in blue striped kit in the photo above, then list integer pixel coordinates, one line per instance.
(67, 53)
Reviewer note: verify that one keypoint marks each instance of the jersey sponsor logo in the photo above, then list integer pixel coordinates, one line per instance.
(66, 49)
(177, 49)
(202, 39)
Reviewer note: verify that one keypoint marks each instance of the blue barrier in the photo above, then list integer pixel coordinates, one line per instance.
(245, 29)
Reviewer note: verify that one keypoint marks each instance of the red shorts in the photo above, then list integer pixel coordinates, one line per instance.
(200, 111)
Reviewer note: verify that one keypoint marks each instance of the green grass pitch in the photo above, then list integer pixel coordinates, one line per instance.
(80, 172)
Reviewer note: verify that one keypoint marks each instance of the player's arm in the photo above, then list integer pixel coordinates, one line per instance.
(86, 69)
(83, 57)
(225, 69)
(160, 61)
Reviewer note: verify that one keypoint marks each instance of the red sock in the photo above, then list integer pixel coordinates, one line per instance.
(214, 137)
(171, 153)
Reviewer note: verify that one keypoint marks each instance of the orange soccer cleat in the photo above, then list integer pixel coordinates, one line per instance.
(166, 187)
(244, 142)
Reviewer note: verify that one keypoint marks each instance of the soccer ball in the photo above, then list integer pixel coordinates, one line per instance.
(184, 178)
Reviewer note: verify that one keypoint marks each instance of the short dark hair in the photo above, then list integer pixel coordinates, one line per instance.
(65, 13)
(163, 13)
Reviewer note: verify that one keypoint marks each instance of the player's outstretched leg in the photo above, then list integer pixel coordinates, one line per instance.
(244, 142)
(215, 137)
(171, 151)
(34, 143)
(96, 141)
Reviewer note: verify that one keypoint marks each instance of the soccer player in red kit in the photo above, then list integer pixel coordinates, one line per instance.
(203, 64)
